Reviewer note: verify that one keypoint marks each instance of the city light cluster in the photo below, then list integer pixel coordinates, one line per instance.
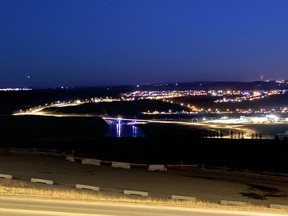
(156, 95)
(15, 89)
(250, 96)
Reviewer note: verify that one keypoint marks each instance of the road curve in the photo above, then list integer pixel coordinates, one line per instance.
(23, 206)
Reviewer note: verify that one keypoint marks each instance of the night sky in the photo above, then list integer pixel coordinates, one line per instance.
(49, 43)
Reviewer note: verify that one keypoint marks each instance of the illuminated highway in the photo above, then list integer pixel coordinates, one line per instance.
(206, 124)
(23, 206)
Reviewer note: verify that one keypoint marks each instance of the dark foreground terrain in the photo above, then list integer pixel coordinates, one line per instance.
(259, 155)
(84, 136)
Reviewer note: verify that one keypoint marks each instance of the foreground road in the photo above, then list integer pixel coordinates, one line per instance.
(11, 206)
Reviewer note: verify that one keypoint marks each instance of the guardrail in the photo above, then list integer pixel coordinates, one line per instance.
(132, 192)
(5, 176)
(84, 159)
(178, 197)
(87, 187)
(198, 167)
(44, 181)
(116, 164)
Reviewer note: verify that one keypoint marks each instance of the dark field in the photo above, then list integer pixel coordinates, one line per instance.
(31, 130)
(126, 108)
(84, 136)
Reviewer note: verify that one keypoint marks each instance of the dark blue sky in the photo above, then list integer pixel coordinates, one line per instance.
(113, 42)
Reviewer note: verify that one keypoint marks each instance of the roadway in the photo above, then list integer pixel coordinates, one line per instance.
(217, 126)
(23, 206)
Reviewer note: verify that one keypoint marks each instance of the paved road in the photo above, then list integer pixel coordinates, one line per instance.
(23, 206)
(40, 111)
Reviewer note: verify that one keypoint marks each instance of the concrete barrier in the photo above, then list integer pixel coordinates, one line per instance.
(69, 158)
(176, 197)
(87, 187)
(154, 167)
(44, 181)
(123, 165)
(236, 203)
(139, 193)
(91, 161)
(278, 206)
(5, 176)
